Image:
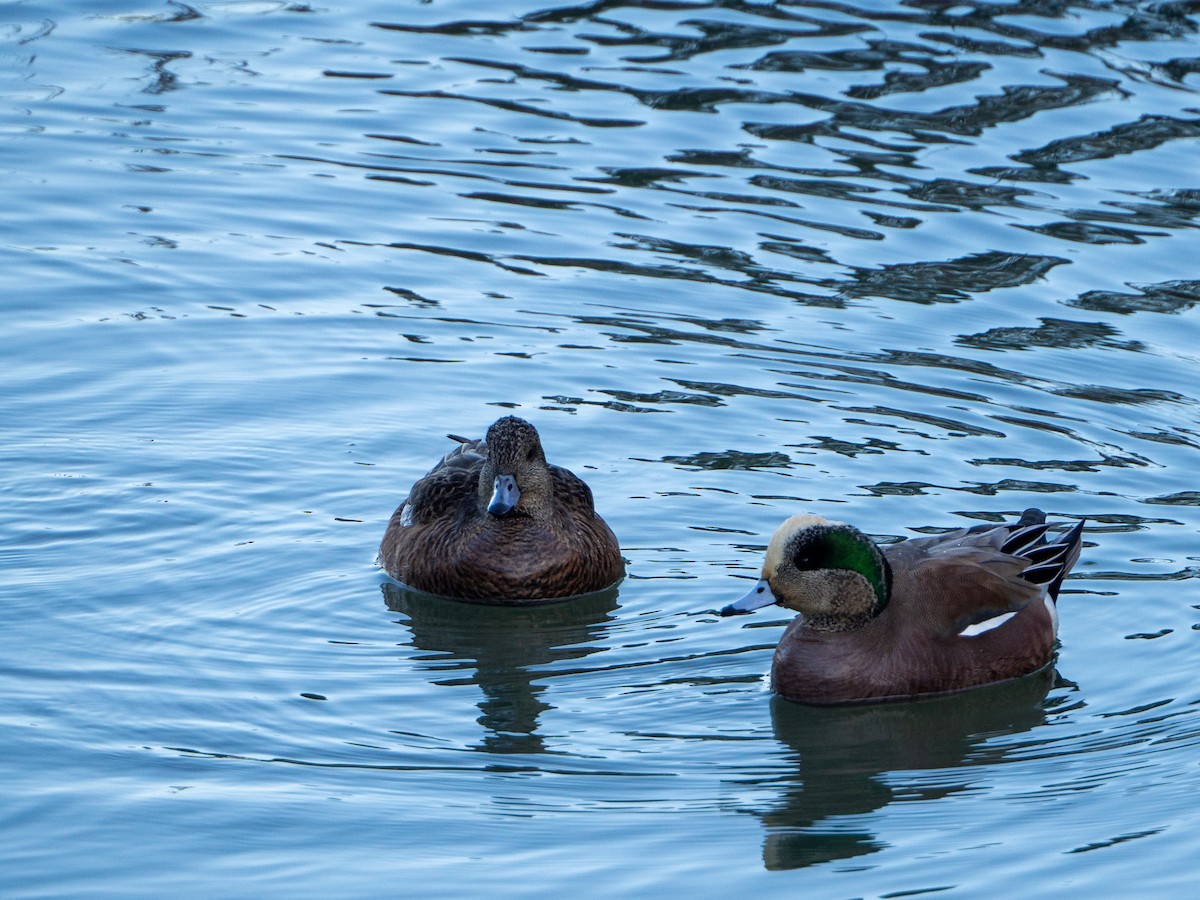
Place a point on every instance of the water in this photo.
(912, 265)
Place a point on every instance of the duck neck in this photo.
(832, 623)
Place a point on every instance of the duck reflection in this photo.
(506, 646)
(844, 754)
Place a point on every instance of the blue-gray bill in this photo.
(760, 595)
(505, 495)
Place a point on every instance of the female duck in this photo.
(926, 616)
(493, 521)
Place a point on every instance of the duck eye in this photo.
(810, 558)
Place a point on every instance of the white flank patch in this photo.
(986, 625)
(1053, 608)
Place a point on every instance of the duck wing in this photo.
(443, 488)
(571, 493)
(468, 454)
(966, 579)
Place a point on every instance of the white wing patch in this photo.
(1053, 607)
(406, 517)
(986, 625)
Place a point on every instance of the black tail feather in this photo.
(1052, 559)
(1024, 539)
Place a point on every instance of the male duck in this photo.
(494, 522)
(926, 616)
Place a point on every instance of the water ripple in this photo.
(915, 265)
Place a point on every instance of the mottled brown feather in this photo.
(452, 546)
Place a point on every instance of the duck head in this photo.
(829, 572)
(515, 479)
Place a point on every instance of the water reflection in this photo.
(1167, 297)
(508, 648)
(911, 259)
(950, 280)
(844, 759)
(899, 80)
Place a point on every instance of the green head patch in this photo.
(837, 546)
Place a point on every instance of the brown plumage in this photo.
(926, 616)
(494, 522)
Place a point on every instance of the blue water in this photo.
(912, 265)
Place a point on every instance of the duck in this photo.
(494, 522)
(918, 618)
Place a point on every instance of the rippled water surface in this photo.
(913, 265)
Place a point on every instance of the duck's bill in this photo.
(505, 495)
(760, 595)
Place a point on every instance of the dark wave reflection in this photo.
(926, 113)
(912, 264)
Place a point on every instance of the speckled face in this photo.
(777, 550)
(515, 480)
(512, 442)
(829, 572)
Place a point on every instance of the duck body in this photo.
(928, 616)
(494, 522)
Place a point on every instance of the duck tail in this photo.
(1053, 561)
